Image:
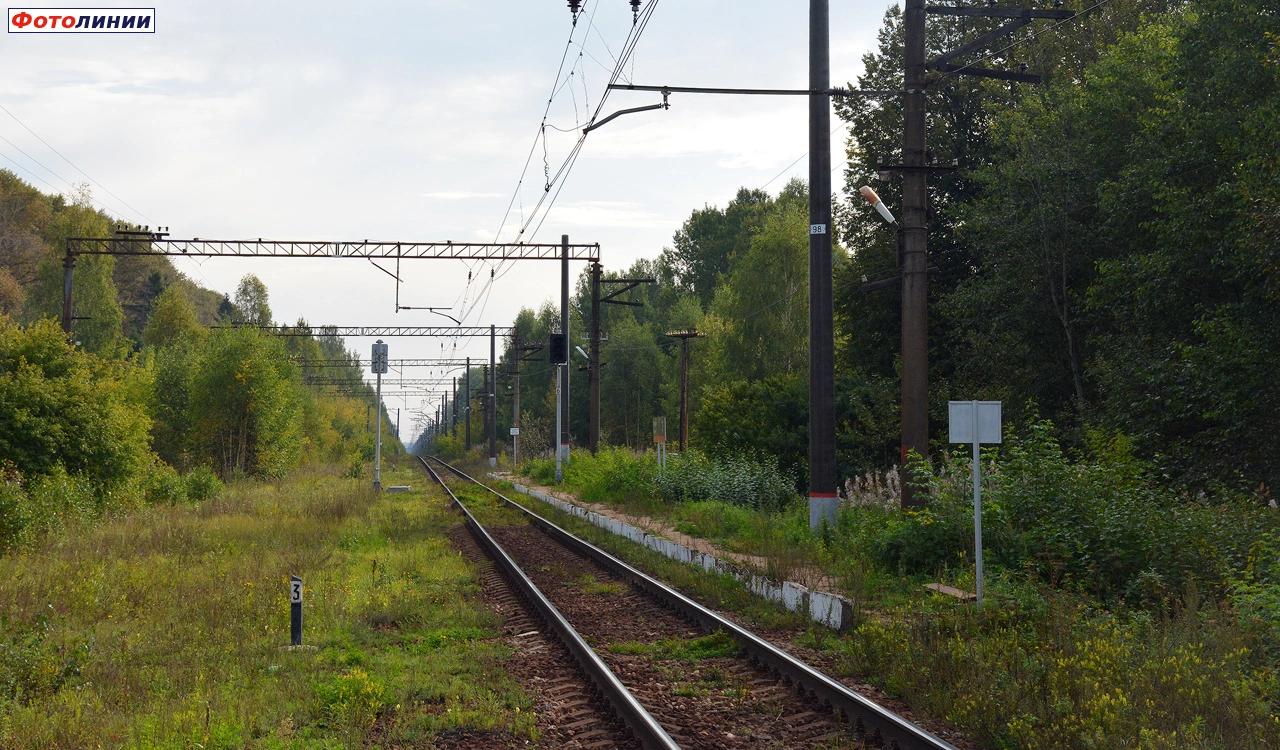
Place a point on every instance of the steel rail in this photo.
(643, 726)
(869, 717)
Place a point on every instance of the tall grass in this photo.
(165, 627)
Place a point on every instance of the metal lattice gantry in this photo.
(388, 382)
(392, 363)
(381, 331)
(157, 244)
(128, 242)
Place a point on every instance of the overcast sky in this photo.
(411, 121)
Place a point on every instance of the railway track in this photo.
(674, 672)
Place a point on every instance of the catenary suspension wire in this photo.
(557, 180)
(74, 166)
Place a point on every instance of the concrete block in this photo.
(831, 610)
(764, 588)
(794, 596)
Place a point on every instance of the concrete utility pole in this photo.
(453, 397)
(593, 361)
(466, 407)
(822, 426)
(517, 352)
(915, 168)
(559, 421)
(563, 422)
(684, 337)
(915, 277)
(68, 273)
(492, 403)
(593, 357)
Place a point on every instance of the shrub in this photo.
(350, 700)
(738, 480)
(1100, 524)
(54, 500)
(541, 470)
(12, 506)
(202, 484)
(163, 486)
(612, 474)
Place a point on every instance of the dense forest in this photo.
(1104, 258)
(154, 404)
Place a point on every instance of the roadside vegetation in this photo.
(1118, 614)
(167, 626)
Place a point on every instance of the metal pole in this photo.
(466, 405)
(491, 405)
(68, 269)
(684, 393)
(515, 403)
(559, 455)
(453, 423)
(977, 506)
(564, 328)
(377, 443)
(915, 280)
(822, 428)
(593, 367)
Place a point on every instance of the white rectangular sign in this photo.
(962, 418)
(295, 591)
(515, 431)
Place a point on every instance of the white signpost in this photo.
(975, 422)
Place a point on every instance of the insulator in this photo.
(574, 6)
(635, 11)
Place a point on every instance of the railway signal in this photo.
(379, 365)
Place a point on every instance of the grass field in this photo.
(167, 627)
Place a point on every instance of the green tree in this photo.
(63, 406)
(630, 385)
(710, 238)
(763, 303)
(173, 319)
(245, 405)
(250, 306)
(767, 417)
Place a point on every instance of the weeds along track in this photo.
(706, 681)
(574, 715)
(642, 727)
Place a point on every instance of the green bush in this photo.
(350, 700)
(163, 486)
(52, 501)
(738, 480)
(1099, 524)
(12, 506)
(612, 474)
(202, 484)
(540, 470)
